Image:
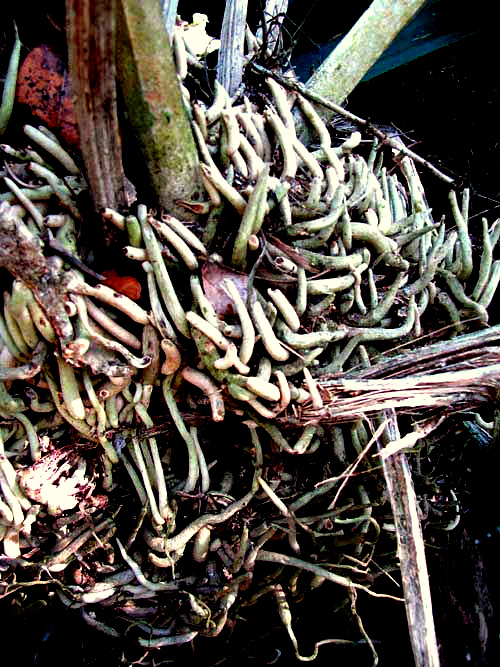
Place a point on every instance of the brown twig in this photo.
(393, 143)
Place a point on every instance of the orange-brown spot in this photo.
(126, 285)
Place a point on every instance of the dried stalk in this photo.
(346, 400)
(411, 552)
(230, 64)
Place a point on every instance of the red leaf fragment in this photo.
(127, 285)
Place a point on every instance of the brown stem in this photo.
(91, 28)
